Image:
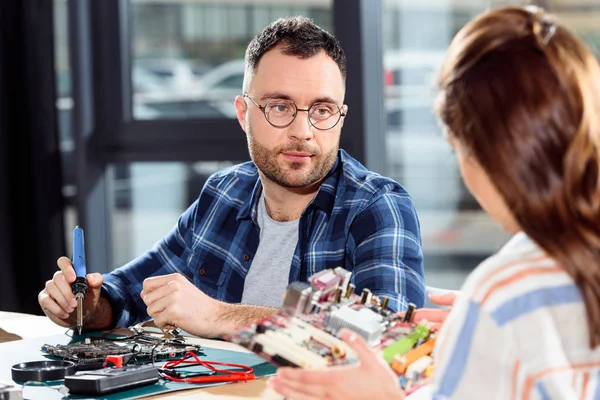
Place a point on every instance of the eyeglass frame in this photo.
(262, 108)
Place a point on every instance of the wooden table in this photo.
(15, 326)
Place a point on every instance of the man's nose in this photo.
(301, 128)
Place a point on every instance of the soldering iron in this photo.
(79, 287)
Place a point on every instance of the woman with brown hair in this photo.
(520, 103)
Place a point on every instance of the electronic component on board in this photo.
(409, 312)
(305, 333)
(94, 351)
(349, 290)
(298, 298)
(384, 303)
(363, 321)
(366, 296)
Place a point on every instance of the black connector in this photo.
(80, 285)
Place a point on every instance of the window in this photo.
(147, 199)
(456, 233)
(189, 54)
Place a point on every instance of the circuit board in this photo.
(305, 332)
(142, 347)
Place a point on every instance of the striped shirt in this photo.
(358, 220)
(518, 331)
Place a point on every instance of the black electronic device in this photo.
(109, 380)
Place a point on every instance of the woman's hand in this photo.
(371, 378)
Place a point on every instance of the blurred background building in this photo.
(143, 94)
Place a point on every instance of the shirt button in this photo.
(246, 257)
(202, 271)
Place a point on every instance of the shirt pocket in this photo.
(209, 274)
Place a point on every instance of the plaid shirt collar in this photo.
(325, 199)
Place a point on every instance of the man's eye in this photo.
(280, 107)
(322, 110)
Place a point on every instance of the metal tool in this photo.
(79, 287)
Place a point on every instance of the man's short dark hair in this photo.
(297, 36)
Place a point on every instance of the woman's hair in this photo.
(521, 94)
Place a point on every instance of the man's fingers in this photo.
(157, 294)
(51, 307)
(164, 317)
(64, 287)
(159, 310)
(446, 299)
(155, 282)
(363, 350)
(67, 268)
(54, 292)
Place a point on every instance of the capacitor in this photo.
(350, 290)
(366, 296)
(384, 303)
(402, 380)
(338, 294)
(409, 312)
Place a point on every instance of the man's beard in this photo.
(267, 162)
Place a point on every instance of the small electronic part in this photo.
(384, 303)
(405, 344)
(409, 312)
(305, 333)
(349, 290)
(298, 298)
(10, 392)
(345, 277)
(362, 321)
(325, 281)
(338, 294)
(401, 363)
(419, 366)
(109, 380)
(366, 296)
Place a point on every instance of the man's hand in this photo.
(372, 378)
(173, 301)
(58, 301)
(436, 316)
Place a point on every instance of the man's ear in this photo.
(240, 110)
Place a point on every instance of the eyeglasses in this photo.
(282, 112)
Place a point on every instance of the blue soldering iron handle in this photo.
(79, 253)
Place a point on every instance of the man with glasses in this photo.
(300, 206)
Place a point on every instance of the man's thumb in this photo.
(95, 280)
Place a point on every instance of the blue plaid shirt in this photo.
(359, 220)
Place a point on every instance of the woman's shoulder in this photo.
(519, 253)
(519, 278)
